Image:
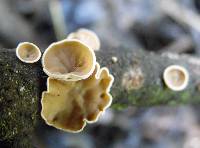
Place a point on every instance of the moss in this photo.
(153, 95)
(118, 106)
(156, 95)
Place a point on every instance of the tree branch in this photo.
(152, 90)
(21, 86)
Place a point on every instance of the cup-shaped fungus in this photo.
(176, 77)
(86, 36)
(28, 52)
(69, 60)
(69, 105)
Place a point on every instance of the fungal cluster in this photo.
(69, 105)
(78, 90)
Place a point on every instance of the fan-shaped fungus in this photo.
(68, 105)
(176, 77)
(68, 60)
(28, 52)
(86, 36)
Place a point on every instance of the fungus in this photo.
(86, 36)
(114, 59)
(28, 52)
(69, 60)
(176, 77)
(69, 105)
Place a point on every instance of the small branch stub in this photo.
(28, 52)
(176, 77)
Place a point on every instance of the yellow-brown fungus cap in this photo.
(69, 105)
(28, 52)
(176, 77)
(69, 60)
(88, 37)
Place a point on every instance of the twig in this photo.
(181, 45)
(180, 14)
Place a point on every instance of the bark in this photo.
(152, 91)
(21, 86)
(19, 100)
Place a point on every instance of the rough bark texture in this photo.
(19, 100)
(151, 66)
(21, 86)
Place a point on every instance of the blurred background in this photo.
(154, 25)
